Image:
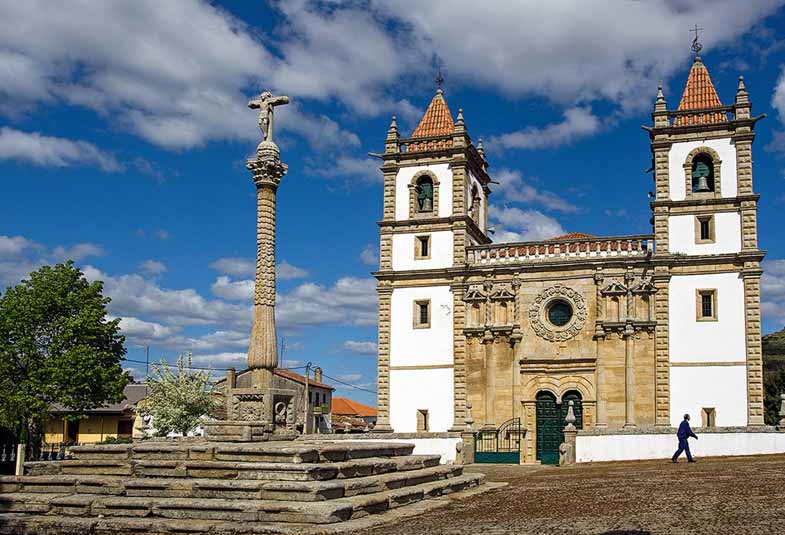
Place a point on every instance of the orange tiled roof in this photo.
(437, 121)
(348, 407)
(296, 377)
(699, 94)
(573, 236)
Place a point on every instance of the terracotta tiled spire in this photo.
(699, 94)
(437, 120)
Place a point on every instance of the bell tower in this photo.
(435, 205)
(707, 260)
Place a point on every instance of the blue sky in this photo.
(124, 131)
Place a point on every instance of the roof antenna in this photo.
(696, 46)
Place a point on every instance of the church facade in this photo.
(636, 330)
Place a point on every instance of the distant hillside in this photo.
(774, 351)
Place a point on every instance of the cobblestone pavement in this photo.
(712, 496)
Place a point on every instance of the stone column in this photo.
(383, 362)
(460, 394)
(490, 378)
(661, 279)
(599, 339)
(751, 276)
(629, 353)
(267, 170)
(629, 376)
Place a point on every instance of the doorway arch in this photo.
(551, 417)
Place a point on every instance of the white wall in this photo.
(417, 347)
(662, 446)
(723, 387)
(412, 390)
(727, 233)
(404, 178)
(446, 447)
(678, 155)
(403, 251)
(707, 341)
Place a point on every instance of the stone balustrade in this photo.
(512, 253)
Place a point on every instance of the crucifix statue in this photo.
(265, 104)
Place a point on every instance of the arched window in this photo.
(702, 174)
(424, 192)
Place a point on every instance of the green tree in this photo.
(57, 346)
(179, 401)
(773, 387)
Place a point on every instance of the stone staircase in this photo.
(214, 487)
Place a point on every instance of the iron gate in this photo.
(499, 446)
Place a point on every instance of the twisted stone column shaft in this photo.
(263, 351)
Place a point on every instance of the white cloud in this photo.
(145, 332)
(366, 348)
(366, 169)
(47, 151)
(20, 256)
(152, 267)
(77, 252)
(577, 123)
(180, 81)
(286, 271)
(177, 81)
(162, 234)
(15, 246)
(773, 292)
(234, 266)
(241, 290)
(778, 103)
(572, 51)
(513, 188)
(370, 255)
(350, 301)
(134, 295)
(513, 224)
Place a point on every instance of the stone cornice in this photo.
(725, 128)
(709, 201)
(415, 225)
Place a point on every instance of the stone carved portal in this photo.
(557, 295)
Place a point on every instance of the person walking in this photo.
(683, 434)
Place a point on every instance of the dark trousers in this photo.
(684, 446)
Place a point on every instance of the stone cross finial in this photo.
(265, 104)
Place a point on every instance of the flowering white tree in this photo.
(177, 402)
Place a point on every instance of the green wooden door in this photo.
(577, 409)
(549, 434)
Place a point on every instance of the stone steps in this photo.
(315, 471)
(288, 452)
(196, 486)
(297, 490)
(163, 515)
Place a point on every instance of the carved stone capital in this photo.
(267, 167)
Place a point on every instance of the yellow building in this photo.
(110, 421)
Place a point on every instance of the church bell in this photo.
(703, 184)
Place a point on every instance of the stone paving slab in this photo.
(715, 496)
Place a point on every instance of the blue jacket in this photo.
(685, 431)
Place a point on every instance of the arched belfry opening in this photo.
(424, 194)
(702, 173)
